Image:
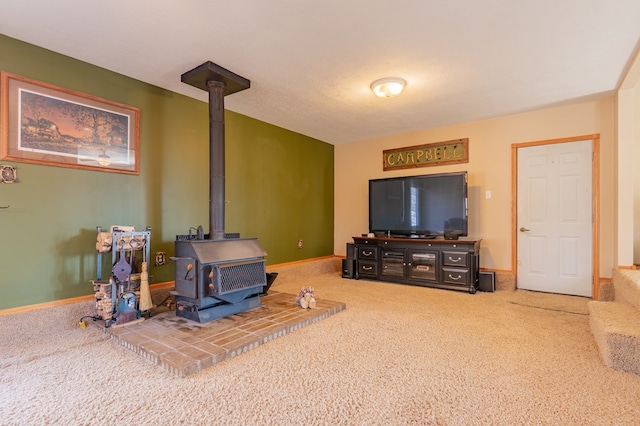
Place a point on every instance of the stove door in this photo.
(186, 277)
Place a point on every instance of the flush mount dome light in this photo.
(388, 87)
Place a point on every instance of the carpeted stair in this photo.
(615, 323)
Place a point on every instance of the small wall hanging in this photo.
(8, 174)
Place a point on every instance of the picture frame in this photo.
(49, 125)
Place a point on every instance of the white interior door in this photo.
(554, 218)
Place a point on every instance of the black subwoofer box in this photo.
(348, 268)
(487, 281)
(351, 251)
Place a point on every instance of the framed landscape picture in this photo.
(44, 124)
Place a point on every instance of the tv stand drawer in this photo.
(368, 253)
(455, 276)
(455, 258)
(367, 268)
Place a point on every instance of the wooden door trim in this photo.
(595, 202)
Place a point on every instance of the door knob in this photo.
(523, 229)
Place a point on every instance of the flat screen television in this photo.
(419, 206)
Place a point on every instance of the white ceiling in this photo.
(311, 62)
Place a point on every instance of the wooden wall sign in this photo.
(431, 154)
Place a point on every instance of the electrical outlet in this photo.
(300, 244)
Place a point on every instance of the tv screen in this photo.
(419, 206)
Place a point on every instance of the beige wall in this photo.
(636, 160)
(628, 156)
(627, 186)
(489, 169)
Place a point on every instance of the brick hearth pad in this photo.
(185, 347)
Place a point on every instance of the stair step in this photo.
(626, 283)
(616, 329)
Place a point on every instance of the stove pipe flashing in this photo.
(218, 82)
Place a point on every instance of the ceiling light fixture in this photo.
(388, 87)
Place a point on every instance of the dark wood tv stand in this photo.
(440, 263)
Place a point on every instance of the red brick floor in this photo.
(185, 347)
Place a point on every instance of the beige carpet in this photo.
(398, 355)
(549, 301)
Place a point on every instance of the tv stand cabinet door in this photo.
(393, 263)
(423, 265)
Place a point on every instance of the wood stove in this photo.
(218, 278)
(217, 274)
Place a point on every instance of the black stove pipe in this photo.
(218, 82)
(216, 159)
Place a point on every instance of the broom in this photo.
(145, 293)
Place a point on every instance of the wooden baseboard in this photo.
(61, 302)
(298, 262)
(69, 301)
(497, 271)
(627, 266)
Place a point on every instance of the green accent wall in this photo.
(279, 186)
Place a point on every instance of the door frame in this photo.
(595, 202)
